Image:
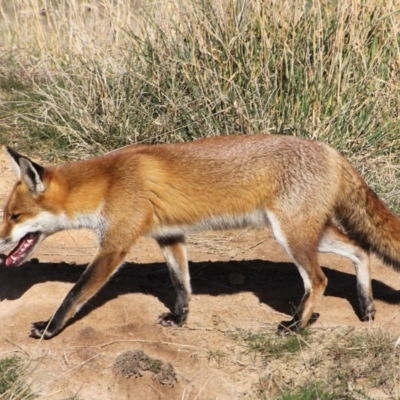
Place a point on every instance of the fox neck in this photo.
(61, 221)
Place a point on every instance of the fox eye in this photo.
(14, 217)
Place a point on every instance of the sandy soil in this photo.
(123, 316)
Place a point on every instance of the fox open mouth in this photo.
(22, 250)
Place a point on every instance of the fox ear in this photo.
(28, 171)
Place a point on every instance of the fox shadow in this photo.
(277, 284)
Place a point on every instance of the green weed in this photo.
(269, 345)
(217, 355)
(314, 390)
(12, 382)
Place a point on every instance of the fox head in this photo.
(48, 200)
(24, 211)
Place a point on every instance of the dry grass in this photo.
(109, 72)
(13, 384)
(80, 77)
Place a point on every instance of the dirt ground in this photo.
(123, 316)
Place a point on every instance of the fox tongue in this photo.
(20, 252)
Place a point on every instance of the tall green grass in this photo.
(89, 77)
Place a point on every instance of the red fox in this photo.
(311, 197)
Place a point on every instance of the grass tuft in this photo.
(12, 380)
(314, 390)
(269, 345)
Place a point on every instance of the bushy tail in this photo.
(367, 219)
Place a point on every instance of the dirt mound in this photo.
(135, 363)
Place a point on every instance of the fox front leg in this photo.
(95, 276)
(175, 254)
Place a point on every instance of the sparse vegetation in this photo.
(86, 77)
(345, 365)
(314, 390)
(217, 355)
(12, 380)
(269, 345)
(9, 372)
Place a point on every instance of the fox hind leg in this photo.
(334, 241)
(303, 250)
(315, 283)
(174, 250)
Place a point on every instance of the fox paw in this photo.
(286, 328)
(368, 313)
(369, 316)
(41, 330)
(170, 319)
